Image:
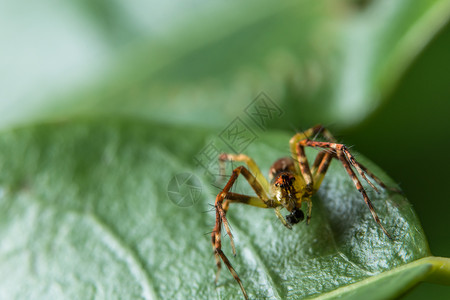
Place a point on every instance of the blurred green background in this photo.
(375, 72)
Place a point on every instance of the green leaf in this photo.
(376, 47)
(85, 213)
(322, 62)
(85, 206)
(396, 282)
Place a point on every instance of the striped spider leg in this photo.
(340, 152)
(225, 197)
(292, 182)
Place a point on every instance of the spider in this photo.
(292, 182)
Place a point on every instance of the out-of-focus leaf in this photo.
(185, 51)
(86, 213)
(377, 46)
(326, 61)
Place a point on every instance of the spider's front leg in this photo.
(217, 246)
(331, 150)
(223, 200)
(257, 182)
(312, 177)
(261, 187)
(348, 161)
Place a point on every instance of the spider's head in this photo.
(286, 187)
(286, 190)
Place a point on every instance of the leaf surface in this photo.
(86, 212)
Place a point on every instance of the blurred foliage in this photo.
(102, 102)
(328, 62)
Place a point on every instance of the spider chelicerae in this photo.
(292, 182)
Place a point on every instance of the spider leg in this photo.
(298, 153)
(308, 134)
(320, 167)
(257, 181)
(362, 169)
(345, 157)
(304, 168)
(223, 199)
(307, 176)
(281, 218)
(319, 158)
(250, 164)
(259, 177)
(249, 200)
(318, 171)
(220, 253)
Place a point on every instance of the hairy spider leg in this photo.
(219, 203)
(221, 210)
(348, 161)
(362, 169)
(312, 177)
(259, 177)
(224, 157)
(320, 167)
(318, 171)
(307, 134)
(249, 200)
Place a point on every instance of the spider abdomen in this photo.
(285, 164)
